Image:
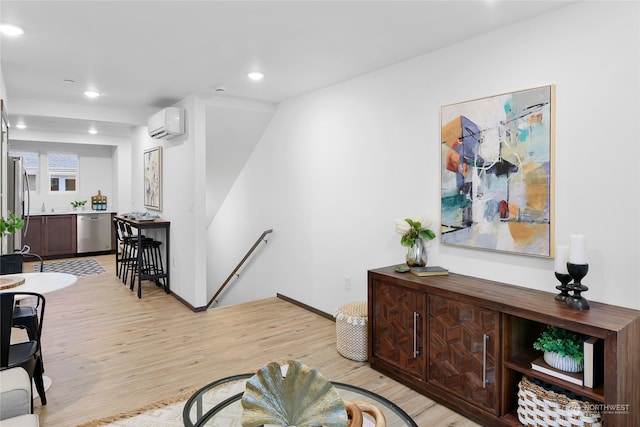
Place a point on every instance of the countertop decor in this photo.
(565, 344)
(413, 230)
(78, 204)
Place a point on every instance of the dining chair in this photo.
(13, 263)
(26, 354)
(24, 315)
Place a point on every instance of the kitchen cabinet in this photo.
(33, 238)
(477, 337)
(52, 236)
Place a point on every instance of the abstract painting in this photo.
(497, 172)
(153, 178)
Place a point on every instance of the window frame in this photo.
(63, 173)
(31, 172)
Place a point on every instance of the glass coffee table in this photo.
(218, 404)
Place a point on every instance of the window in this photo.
(31, 165)
(63, 172)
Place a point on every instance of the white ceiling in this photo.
(146, 55)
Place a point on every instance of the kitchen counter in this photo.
(71, 212)
(67, 233)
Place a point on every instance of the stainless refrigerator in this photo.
(17, 199)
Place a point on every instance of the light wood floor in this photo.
(107, 351)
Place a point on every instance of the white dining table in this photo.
(41, 283)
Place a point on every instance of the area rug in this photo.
(164, 413)
(168, 412)
(82, 267)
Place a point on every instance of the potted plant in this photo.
(563, 350)
(413, 230)
(77, 203)
(10, 225)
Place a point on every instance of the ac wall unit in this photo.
(166, 123)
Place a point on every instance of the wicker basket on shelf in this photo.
(542, 407)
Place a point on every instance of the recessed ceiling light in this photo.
(11, 30)
(93, 131)
(21, 126)
(91, 93)
(256, 76)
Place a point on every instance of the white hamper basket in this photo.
(351, 330)
(540, 407)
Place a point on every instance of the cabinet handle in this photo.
(485, 338)
(415, 334)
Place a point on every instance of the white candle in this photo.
(562, 256)
(577, 249)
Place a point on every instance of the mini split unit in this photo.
(166, 123)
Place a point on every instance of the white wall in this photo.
(97, 169)
(3, 90)
(336, 167)
(233, 129)
(184, 163)
(198, 169)
(3, 165)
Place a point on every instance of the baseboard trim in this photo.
(282, 297)
(192, 308)
(306, 307)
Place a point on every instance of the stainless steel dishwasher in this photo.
(94, 232)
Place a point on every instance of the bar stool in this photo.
(120, 246)
(130, 250)
(151, 267)
(127, 255)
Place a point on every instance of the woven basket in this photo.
(351, 330)
(540, 407)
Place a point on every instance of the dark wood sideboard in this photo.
(466, 343)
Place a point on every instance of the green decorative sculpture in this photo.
(302, 398)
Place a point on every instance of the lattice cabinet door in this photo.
(398, 326)
(464, 350)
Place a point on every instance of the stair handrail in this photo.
(233, 273)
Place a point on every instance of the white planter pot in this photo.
(562, 363)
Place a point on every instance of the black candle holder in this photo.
(563, 286)
(577, 272)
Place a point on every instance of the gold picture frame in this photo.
(497, 167)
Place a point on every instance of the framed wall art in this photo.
(153, 178)
(497, 172)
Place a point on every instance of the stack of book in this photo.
(593, 373)
(593, 362)
(429, 271)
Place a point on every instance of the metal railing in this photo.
(235, 270)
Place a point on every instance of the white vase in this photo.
(562, 363)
